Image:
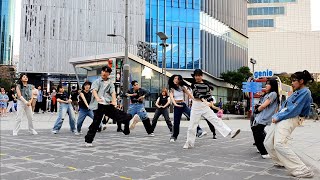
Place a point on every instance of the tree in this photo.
(315, 90)
(235, 78)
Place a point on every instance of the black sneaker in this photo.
(119, 130)
(214, 137)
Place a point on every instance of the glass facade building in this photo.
(6, 31)
(200, 35)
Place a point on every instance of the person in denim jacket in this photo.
(285, 121)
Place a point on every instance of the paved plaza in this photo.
(115, 156)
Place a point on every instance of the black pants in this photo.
(53, 107)
(212, 129)
(113, 113)
(106, 120)
(157, 114)
(259, 135)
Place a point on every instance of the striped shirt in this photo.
(201, 90)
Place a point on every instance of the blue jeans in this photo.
(83, 113)
(63, 110)
(177, 113)
(138, 109)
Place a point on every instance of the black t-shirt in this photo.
(10, 93)
(140, 92)
(74, 95)
(64, 96)
(88, 98)
(201, 90)
(163, 100)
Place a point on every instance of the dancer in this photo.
(104, 102)
(65, 107)
(290, 115)
(200, 107)
(136, 108)
(178, 89)
(269, 105)
(162, 103)
(24, 93)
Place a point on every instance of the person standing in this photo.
(12, 98)
(201, 107)
(54, 104)
(104, 102)
(162, 103)
(220, 105)
(74, 98)
(290, 116)
(34, 98)
(44, 101)
(136, 108)
(24, 94)
(39, 101)
(3, 102)
(65, 107)
(263, 115)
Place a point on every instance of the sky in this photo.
(315, 20)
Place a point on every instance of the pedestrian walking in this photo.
(34, 98)
(290, 115)
(65, 107)
(12, 99)
(162, 104)
(200, 107)
(3, 102)
(178, 89)
(104, 102)
(263, 115)
(136, 107)
(25, 96)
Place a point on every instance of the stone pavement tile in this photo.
(19, 175)
(5, 169)
(81, 174)
(46, 178)
(44, 167)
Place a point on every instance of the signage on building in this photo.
(266, 73)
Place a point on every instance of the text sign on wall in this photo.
(266, 73)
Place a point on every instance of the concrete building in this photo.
(280, 36)
(52, 32)
(7, 8)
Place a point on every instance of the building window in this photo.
(265, 11)
(271, 1)
(260, 23)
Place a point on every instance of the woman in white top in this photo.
(178, 89)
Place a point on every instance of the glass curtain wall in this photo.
(180, 21)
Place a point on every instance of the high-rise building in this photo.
(6, 31)
(280, 36)
(206, 34)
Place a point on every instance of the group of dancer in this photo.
(99, 101)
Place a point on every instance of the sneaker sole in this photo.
(238, 131)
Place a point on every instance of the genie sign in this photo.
(267, 73)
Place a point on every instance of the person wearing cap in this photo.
(201, 107)
(136, 108)
(104, 102)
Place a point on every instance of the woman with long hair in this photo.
(264, 112)
(162, 103)
(178, 89)
(290, 115)
(24, 94)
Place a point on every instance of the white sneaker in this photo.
(151, 134)
(234, 133)
(187, 146)
(172, 140)
(203, 133)
(34, 132)
(135, 120)
(77, 133)
(54, 131)
(266, 156)
(308, 174)
(14, 134)
(89, 145)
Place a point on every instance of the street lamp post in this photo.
(253, 62)
(164, 45)
(126, 66)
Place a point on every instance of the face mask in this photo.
(53, 90)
